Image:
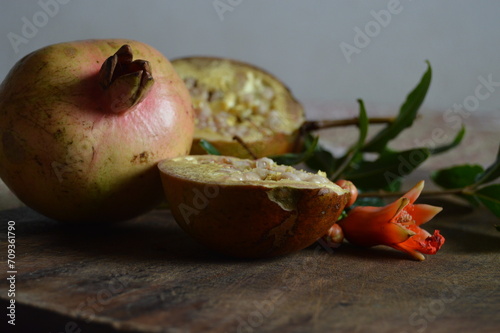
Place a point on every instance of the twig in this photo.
(314, 125)
(343, 166)
(244, 145)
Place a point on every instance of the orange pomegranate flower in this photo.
(396, 225)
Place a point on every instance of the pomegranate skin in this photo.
(66, 154)
(247, 219)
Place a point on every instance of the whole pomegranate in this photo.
(83, 125)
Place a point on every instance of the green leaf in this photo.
(322, 160)
(490, 197)
(456, 141)
(406, 116)
(296, 158)
(471, 199)
(387, 169)
(353, 152)
(342, 215)
(394, 186)
(363, 123)
(458, 176)
(369, 201)
(208, 147)
(491, 173)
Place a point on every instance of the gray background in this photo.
(299, 41)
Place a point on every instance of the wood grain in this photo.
(146, 275)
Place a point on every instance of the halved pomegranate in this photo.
(250, 208)
(233, 98)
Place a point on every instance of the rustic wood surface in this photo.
(146, 275)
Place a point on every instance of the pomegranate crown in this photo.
(125, 82)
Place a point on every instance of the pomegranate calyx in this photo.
(125, 82)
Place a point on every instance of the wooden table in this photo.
(146, 275)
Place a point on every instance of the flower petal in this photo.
(422, 213)
(395, 225)
(391, 211)
(395, 233)
(433, 243)
(370, 226)
(371, 233)
(422, 242)
(415, 254)
(413, 194)
(419, 232)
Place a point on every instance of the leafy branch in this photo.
(475, 182)
(379, 173)
(382, 176)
